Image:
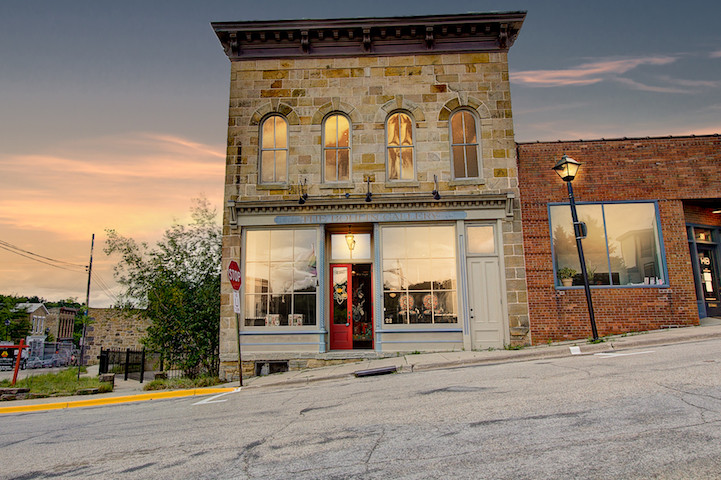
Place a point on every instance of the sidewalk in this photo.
(130, 390)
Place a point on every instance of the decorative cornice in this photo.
(389, 203)
(466, 33)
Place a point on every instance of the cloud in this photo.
(648, 88)
(716, 54)
(587, 73)
(136, 183)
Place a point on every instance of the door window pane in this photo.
(481, 239)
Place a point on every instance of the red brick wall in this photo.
(702, 215)
(668, 170)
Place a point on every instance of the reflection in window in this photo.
(361, 249)
(399, 134)
(274, 150)
(480, 239)
(280, 278)
(622, 246)
(336, 148)
(419, 275)
(464, 145)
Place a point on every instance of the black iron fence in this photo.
(141, 364)
(129, 363)
(176, 365)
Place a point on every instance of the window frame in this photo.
(454, 293)
(663, 267)
(479, 158)
(261, 149)
(245, 294)
(324, 149)
(412, 147)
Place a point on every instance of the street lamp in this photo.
(566, 168)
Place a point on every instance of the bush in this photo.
(181, 383)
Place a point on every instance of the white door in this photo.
(487, 323)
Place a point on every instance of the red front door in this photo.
(341, 325)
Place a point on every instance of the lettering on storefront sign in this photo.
(369, 217)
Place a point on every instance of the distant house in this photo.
(38, 316)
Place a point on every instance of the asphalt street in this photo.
(641, 413)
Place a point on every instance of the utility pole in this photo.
(87, 307)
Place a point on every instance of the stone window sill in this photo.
(341, 185)
(272, 186)
(467, 181)
(402, 183)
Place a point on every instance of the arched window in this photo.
(399, 145)
(464, 145)
(274, 150)
(336, 148)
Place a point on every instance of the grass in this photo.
(62, 383)
(181, 383)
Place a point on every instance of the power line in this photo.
(38, 260)
(17, 250)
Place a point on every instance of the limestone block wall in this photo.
(113, 328)
(367, 89)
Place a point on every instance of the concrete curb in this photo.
(157, 395)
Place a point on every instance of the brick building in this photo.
(371, 188)
(653, 211)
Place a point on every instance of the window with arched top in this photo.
(399, 147)
(464, 145)
(336, 148)
(274, 150)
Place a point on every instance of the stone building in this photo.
(652, 207)
(371, 189)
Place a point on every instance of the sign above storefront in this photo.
(371, 217)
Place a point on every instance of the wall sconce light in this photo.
(303, 193)
(368, 193)
(350, 240)
(436, 195)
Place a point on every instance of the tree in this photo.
(18, 326)
(176, 284)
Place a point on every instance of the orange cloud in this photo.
(52, 201)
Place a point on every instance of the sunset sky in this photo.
(114, 114)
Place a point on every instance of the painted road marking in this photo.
(213, 398)
(605, 355)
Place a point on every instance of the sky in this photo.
(113, 115)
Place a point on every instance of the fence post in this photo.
(127, 362)
(142, 365)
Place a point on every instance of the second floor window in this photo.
(274, 150)
(399, 135)
(464, 145)
(336, 148)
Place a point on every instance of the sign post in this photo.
(234, 277)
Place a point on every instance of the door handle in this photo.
(347, 324)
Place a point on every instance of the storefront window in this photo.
(622, 246)
(419, 275)
(280, 278)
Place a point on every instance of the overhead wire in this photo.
(42, 261)
(18, 250)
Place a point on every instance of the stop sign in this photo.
(234, 275)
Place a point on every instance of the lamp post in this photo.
(566, 168)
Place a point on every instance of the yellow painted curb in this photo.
(157, 395)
